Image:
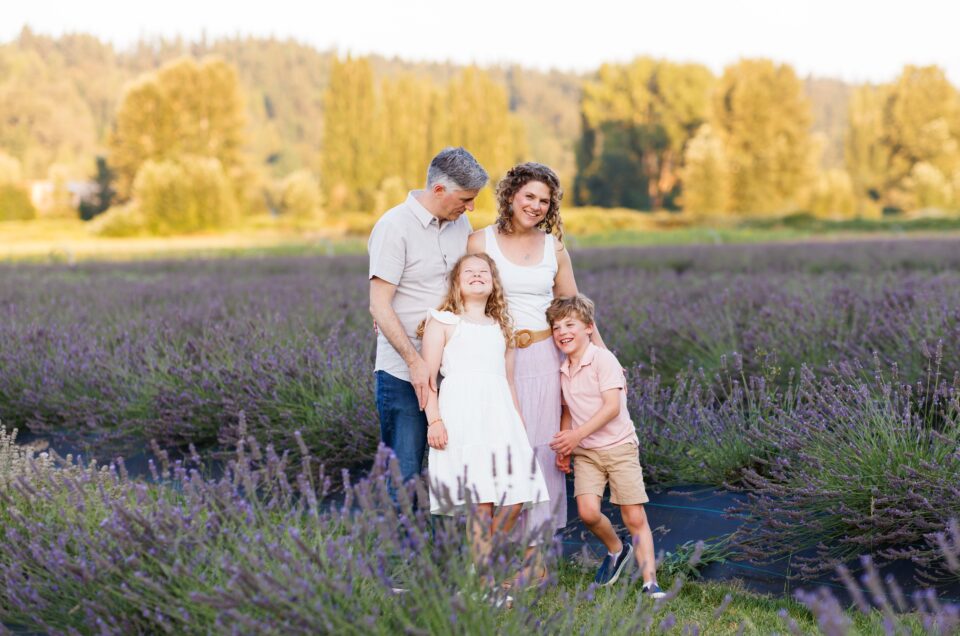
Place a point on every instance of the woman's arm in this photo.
(565, 284)
(434, 339)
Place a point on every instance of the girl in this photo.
(478, 447)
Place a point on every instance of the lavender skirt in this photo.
(537, 380)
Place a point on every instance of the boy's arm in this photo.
(566, 440)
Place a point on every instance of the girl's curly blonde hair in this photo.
(496, 306)
(519, 176)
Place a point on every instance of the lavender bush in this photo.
(873, 593)
(256, 552)
(856, 469)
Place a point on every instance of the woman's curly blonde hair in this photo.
(519, 176)
(496, 306)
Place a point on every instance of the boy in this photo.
(596, 429)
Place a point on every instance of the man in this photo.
(412, 248)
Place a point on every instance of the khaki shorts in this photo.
(619, 466)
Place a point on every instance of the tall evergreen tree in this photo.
(104, 193)
(406, 127)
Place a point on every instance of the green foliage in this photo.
(185, 108)
(637, 119)
(10, 171)
(832, 195)
(928, 187)
(43, 117)
(409, 133)
(903, 141)
(763, 116)
(388, 136)
(119, 221)
(189, 195)
(706, 175)
(301, 199)
(922, 123)
(350, 168)
(477, 117)
(15, 203)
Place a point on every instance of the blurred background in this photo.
(283, 125)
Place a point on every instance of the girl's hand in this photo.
(437, 435)
(563, 464)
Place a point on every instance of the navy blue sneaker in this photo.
(611, 570)
(653, 590)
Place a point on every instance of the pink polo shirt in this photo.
(582, 389)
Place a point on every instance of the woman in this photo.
(526, 244)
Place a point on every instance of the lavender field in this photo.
(822, 379)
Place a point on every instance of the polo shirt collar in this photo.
(423, 214)
(587, 358)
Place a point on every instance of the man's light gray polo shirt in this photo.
(410, 248)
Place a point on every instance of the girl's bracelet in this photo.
(439, 419)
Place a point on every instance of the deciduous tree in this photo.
(763, 116)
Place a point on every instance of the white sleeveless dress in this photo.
(487, 450)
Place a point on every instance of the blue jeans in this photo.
(403, 426)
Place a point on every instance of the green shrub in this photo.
(301, 199)
(15, 204)
(832, 196)
(188, 195)
(119, 220)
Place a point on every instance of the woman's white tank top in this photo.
(529, 289)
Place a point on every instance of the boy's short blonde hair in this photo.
(579, 306)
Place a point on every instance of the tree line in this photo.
(194, 135)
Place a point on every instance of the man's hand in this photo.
(563, 464)
(437, 435)
(421, 380)
(565, 441)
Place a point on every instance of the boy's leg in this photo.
(635, 518)
(628, 492)
(588, 507)
(589, 482)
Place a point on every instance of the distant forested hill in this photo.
(58, 97)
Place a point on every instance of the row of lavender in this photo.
(256, 552)
(790, 371)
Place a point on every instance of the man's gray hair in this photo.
(456, 169)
